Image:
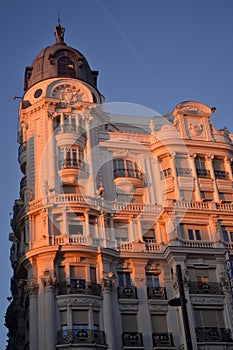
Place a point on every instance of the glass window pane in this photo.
(198, 235)
(225, 236)
(159, 323)
(190, 234)
(129, 322)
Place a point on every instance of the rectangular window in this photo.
(190, 234)
(61, 273)
(209, 318)
(159, 323)
(124, 279)
(96, 320)
(194, 232)
(227, 233)
(93, 274)
(77, 272)
(121, 231)
(75, 229)
(200, 163)
(152, 280)
(80, 320)
(129, 322)
(63, 320)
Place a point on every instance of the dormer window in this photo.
(66, 67)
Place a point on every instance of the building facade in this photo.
(110, 207)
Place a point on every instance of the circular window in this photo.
(38, 93)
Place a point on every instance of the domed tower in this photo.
(56, 288)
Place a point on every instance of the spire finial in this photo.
(59, 31)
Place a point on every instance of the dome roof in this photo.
(59, 60)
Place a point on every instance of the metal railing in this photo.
(205, 288)
(132, 173)
(162, 339)
(87, 336)
(68, 128)
(156, 293)
(183, 171)
(203, 173)
(166, 173)
(127, 292)
(77, 286)
(213, 334)
(219, 174)
(132, 339)
(73, 163)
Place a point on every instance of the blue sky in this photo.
(155, 53)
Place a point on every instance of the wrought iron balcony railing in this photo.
(21, 149)
(132, 173)
(23, 183)
(166, 173)
(219, 174)
(184, 172)
(73, 163)
(213, 334)
(203, 173)
(205, 288)
(132, 339)
(127, 292)
(162, 339)
(156, 293)
(79, 287)
(86, 336)
(68, 128)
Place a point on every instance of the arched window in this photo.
(66, 67)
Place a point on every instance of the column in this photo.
(140, 235)
(227, 163)
(143, 312)
(174, 174)
(90, 155)
(194, 172)
(49, 312)
(87, 231)
(211, 169)
(159, 194)
(109, 328)
(51, 159)
(130, 231)
(33, 316)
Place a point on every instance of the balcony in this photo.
(223, 175)
(203, 173)
(162, 339)
(70, 134)
(78, 286)
(205, 288)
(23, 184)
(84, 336)
(22, 157)
(156, 293)
(136, 176)
(68, 128)
(127, 292)
(70, 169)
(166, 173)
(184, 172)
(132, 339)
(213, 334)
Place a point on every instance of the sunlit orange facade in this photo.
(109, 206)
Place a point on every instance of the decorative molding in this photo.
(200, 300)
(80, 300)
